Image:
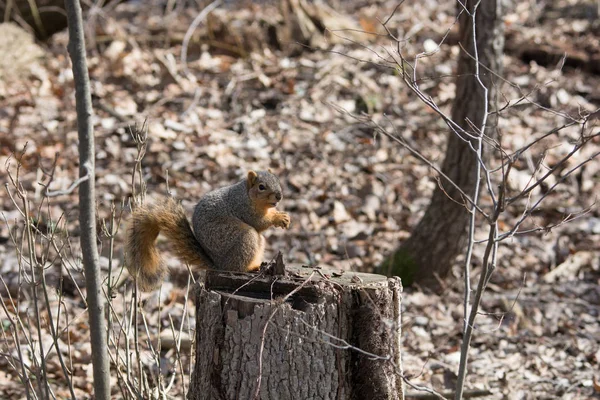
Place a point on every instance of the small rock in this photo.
(339, 213)
(430, 46)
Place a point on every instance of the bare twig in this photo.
(416, 154)
(72, 187)
(188, 34)
(559, 164)
(468, 394)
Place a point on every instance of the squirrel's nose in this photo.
(278, 196)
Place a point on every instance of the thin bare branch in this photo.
(188, 34)
(559, 164)
(71, 188)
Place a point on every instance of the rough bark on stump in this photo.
(305, 353)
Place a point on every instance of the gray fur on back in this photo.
(230, 209)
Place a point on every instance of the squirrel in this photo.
(227, 225)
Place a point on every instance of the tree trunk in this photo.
(298, 343)
(44, 17)
(427, 256)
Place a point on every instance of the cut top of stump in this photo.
(311, 283)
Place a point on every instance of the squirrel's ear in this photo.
(252, 177)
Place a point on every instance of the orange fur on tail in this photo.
(142, 258)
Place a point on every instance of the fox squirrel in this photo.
(227, 225)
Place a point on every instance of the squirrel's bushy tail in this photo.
(142, 257)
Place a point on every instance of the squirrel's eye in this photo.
(261, 187)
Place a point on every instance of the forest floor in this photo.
(353, 194)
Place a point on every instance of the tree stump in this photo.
(308, 334)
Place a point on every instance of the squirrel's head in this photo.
(264, 188)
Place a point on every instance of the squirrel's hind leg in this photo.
(254, 264)
(245, 253)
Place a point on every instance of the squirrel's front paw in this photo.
(282, 220)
